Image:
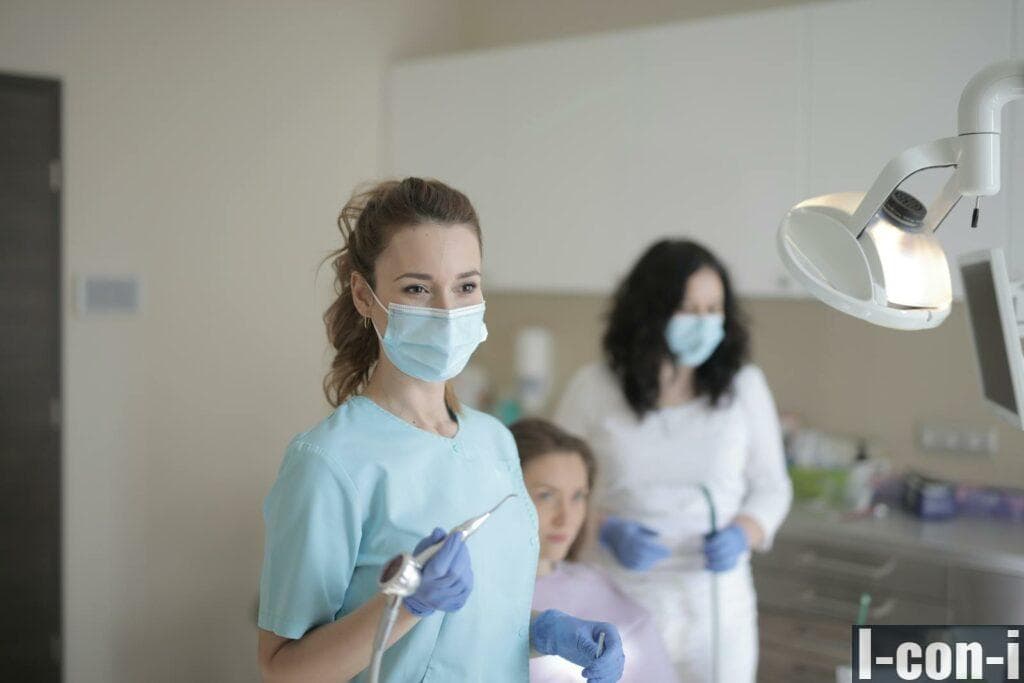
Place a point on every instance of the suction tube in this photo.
(380, 640)
(713, 519)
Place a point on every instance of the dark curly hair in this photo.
(634, 341)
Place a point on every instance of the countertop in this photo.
(979, 543)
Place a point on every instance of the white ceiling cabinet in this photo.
(579, 153)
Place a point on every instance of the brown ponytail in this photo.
(367, 223)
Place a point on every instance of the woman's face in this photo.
(436, 266)
(557, 483)
(704, 293)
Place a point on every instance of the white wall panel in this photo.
(579, 153)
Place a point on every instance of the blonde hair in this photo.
(367, 223)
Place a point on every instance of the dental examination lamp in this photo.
(874, 255)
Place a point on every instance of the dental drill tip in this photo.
(469, 528)
(503, 501)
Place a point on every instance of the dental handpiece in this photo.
(401, 574)
(400, 578)
(467, 529)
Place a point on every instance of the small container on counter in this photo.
(990, 501)
(930, 499)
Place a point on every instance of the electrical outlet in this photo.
(947, 437)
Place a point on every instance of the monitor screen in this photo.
(987, 327)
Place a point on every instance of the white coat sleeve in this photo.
(769, 490)
(584, 403)
(578, 404)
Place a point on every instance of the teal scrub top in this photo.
(365, 485)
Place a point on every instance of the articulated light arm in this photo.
(935, 154)
(974, 152)
(980, 113)
(863, 254)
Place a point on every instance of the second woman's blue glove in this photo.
(556, 633)
(447, 577)
(634, 545)
(722, 549)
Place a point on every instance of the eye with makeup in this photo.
(547, 495)
(468, 284)
(544, 495)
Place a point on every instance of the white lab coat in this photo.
(650, 470)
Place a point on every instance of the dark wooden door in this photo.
(30, 391)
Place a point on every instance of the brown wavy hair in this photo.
(367, 222)
(536, 438)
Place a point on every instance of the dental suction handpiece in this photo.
(467, 529)
(401, 577)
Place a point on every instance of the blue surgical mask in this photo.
(693, 338)
(431, 344)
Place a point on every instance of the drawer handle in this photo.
(843, 609)
(809, 558)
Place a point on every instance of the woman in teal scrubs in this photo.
(398, 462)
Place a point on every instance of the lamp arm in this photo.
(948, 198)
(934, 154)
(983, 98)
(974, 152)
(979, 114)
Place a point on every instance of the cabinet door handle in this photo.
(845, 609)
(809, 558)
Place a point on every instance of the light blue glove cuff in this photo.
(542, 631)
(723, 549)
(417, 608)
(608, 530)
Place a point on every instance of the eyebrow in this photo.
(552, 486)
(427, 278)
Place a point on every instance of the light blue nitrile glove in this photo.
(557, 633)
(447, 578)
(634, 545)
(722, 549)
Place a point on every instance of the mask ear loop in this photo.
(367, 320)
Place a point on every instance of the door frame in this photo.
(53, 88)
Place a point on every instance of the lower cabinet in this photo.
(986, 597)
(809, 597)
(800, 648)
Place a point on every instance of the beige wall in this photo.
(834, 371)
(208, 147)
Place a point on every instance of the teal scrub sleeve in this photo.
(313, 530)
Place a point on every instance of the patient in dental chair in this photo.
(559, 472)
